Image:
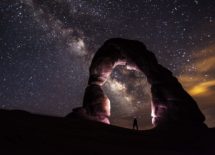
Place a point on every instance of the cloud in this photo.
(200, 82)
(206, 65)
(204, 88)
(205, 59)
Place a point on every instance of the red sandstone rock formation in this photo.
(171, 104)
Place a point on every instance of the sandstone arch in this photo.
(171, 104)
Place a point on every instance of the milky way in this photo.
(46, 48)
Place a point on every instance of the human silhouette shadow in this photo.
(135, 124)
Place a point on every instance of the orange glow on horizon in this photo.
(202, 88)
(197, 90)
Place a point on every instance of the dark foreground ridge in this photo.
(25, 133)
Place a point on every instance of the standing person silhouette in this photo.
(135, 125)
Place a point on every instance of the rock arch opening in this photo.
(130, 96)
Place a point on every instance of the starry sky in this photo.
(46, 47)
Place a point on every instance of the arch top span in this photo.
(171, 104)
(117, 51)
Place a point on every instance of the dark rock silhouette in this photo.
(171, 104)
(25, 133)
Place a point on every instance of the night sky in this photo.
(46, 47)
